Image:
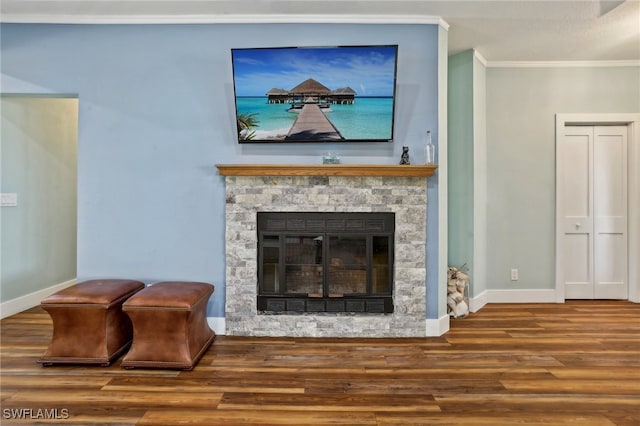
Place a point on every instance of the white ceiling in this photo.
(500, 30)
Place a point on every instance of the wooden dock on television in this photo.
(312, 124)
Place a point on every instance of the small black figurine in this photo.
(405, 156)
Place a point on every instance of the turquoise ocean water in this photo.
(366, 119)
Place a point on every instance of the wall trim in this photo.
(520, 296)
(24, 18)
(476, 303)
(440, 192)
(218, 325)
(28, 301)
(437, 326)
(480, 58)
(562, 64)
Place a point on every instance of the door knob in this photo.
(577, 225)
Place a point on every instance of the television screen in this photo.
(315, 94)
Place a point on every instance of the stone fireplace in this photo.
(400, 190)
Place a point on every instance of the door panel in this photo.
(576, 153)
(611, 267)
(577, 266)
(610, 172)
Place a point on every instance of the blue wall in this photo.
(156, 114)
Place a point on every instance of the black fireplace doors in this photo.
(325, 262)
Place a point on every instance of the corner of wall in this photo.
(442, 172)
(218, 325)
(437, 327)
(478, 302)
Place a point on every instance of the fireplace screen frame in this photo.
(318, 293)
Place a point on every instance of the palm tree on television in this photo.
(246, 123)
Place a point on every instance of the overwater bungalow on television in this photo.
(311, 91)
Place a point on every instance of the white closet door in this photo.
(575, 174)
(592, 209)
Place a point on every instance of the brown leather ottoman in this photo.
(170, 327)
(89, 326)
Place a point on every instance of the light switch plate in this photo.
(8, 199)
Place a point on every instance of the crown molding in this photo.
(562, 64)
(479, 57)
(224, 19)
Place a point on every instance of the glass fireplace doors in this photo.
(346, 265)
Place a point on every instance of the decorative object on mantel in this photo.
(457, 298)
(418, 170)
(330, 158)
(404, 159)
(430, 150)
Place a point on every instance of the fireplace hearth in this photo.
(325, 262)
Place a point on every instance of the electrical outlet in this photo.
(514, 274)
(8, 199)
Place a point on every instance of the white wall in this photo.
(521, 108)
(39, 164)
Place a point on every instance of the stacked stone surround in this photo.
(247, 195)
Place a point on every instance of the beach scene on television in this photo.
(315, 94)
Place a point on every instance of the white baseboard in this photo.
(28, 301)
(437, 327)
(519, 296)
(511, 296)
(218, 325)
(476, 303)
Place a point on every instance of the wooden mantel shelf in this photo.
(413, 170)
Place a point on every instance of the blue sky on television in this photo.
(369, 70)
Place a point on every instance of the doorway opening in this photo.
(39, 177)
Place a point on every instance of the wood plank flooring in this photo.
(548, 364)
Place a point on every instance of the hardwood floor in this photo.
(552, 364)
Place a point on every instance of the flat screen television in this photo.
(315, 94)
